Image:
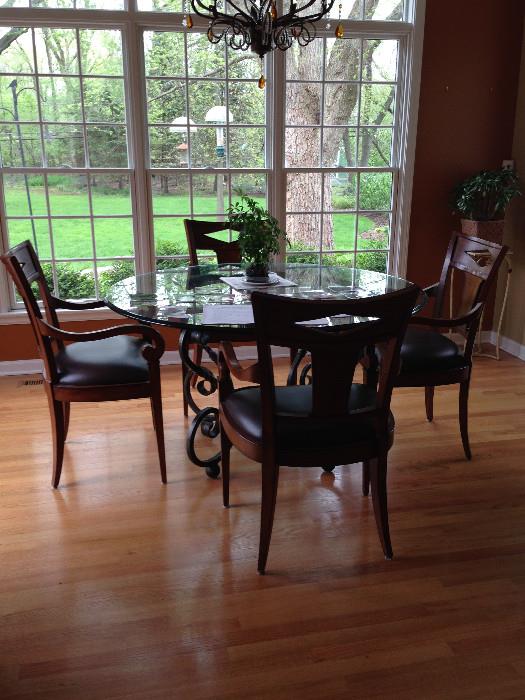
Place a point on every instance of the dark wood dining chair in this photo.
(429, 357)
(330, 422)
(199, 238)
(112, 364)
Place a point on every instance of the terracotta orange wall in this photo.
(469, 83)
(17, 341)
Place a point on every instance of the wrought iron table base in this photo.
(206, 419)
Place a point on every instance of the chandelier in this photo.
(256, 24)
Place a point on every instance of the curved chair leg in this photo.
(225, 467)
(378, 468)
(429, 402)
(366, 477)
(270, 481)
(56, 411)
(463, 416)
(197, 360)
(67, 410)
(156, 411)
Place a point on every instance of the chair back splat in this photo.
(198, 238)
(335, 350)
(478, 262)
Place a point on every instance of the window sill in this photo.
(20, 317)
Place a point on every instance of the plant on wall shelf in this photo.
(481, 201)
(484, 197)
(259, 235)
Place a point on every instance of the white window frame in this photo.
(133, 22)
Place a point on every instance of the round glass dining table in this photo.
(210, 303)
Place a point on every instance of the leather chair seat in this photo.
(242, 408)
(116, 360)
(429, 350)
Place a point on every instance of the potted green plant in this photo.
(481, 201)
(259, 236)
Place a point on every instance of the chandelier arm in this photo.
(205, 12)
(284, 19)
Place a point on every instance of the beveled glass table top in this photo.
(177, 297)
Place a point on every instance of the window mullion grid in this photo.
(189, 141)
(87, 162)
(323, 86)
(138, 152)
(43, 155)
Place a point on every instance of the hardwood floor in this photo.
(116, 586)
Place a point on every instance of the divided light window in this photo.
(63, 148)
(116, 124)
(207, 133)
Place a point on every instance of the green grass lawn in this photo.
(114, 237)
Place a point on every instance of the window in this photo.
(118, 123)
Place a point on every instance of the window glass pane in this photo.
(20, 145)
(339, 231)
(64, 146)
(303, 104)
(72, 238)
(243, 64)
(68, 195)
(377, 262)
(167, 103)
(35, 230)
(167, 149)
(110, 194)
(377, 104)
(210, 195)
(171, 194)
(385, 10)
(340, 191)
(379, 59)
(101, 49)
(247, 103)
(205, 59)
(339, 146)
(24, 195)
(107, 146)
(60, 99)
(113, 237)
(56, 50)
(253, 185)
(17, 56)
(76, 280)
(205, 151)
(303, 147)
(164, 53)
(205, 97)
(374, 231)
(350, 9)
(375, 191)
(104, 100)
(159, 5)
(170, 239)
(309, 184)
(18, 98)
(375, 147)
(246, 148)
(304, 231)
(305, 62)
(343, 59)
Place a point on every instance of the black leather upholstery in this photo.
(295, 428)
(429, 350)
(116, 360)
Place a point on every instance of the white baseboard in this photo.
(506, 344)
(171, 357)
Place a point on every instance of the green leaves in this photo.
(259, 232)
(485, 196)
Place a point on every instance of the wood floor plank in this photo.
(116, 587)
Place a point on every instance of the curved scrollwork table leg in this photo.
(206, 419)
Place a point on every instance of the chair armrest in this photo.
(431, 290)
(465, 320)
(229, 363)
(77, 305)
(156, 341)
